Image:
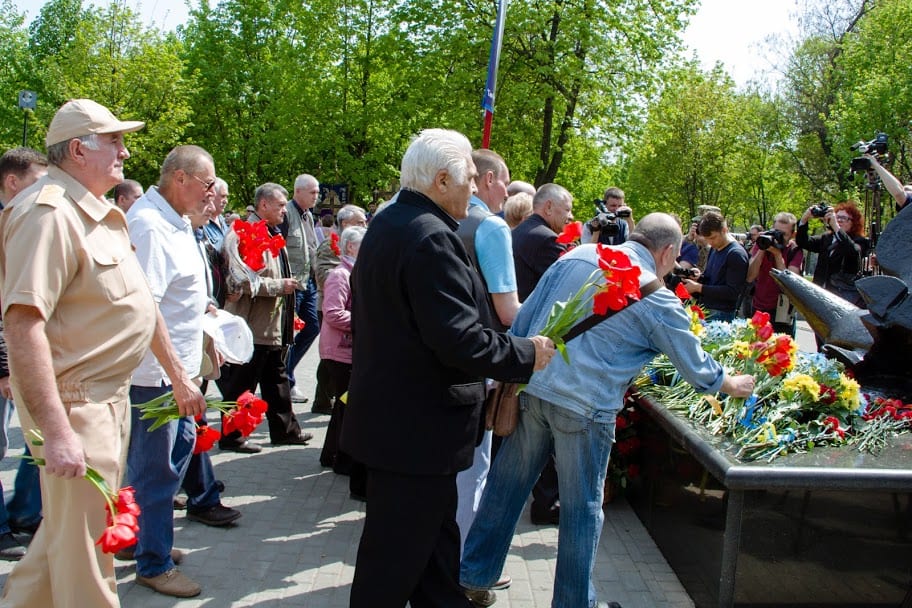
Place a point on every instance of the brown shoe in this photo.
(173, 582)
(129, 554)
(480, 598)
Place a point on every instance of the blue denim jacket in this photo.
(606, 359)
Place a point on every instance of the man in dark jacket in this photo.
(722, 282)
(535, 245)
(421, 352)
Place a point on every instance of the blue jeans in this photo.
(156, 464)
(581, 447)
(24, 508)
(203, 490)
(306, 307)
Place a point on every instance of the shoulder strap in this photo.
(593, 320)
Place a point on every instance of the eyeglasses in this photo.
(207, 185)
(843, 218)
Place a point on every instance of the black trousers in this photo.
(409, 549)
(336, 376)
(266, 368)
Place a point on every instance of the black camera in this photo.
(877, 147)
(820, 210)
(605, 221)
(678, 274)
(623, 213)
(772, 238)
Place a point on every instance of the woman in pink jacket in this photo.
(336, 345)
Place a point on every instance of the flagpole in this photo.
(487, 101)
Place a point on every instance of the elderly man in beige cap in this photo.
(79, 317)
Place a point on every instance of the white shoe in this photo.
(298, 396)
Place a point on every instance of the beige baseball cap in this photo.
(79, 117)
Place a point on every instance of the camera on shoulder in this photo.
(876, 147)
(604, 221)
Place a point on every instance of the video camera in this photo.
(876, 147)
(678, 274)
(772, 238)
(605, 221)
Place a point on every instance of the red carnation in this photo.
(334, 244)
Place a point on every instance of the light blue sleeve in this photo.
(494, 250)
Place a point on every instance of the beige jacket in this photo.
(263, 309)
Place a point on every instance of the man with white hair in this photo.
(301, 245)
(72, 384)
(422, 349)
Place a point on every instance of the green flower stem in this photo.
(163, 409)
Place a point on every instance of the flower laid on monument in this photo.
(801, 400)
(120, 506)
(243, 415)
(254, 241)
(624, 463)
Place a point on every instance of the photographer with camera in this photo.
(901, 194)
(841, 248)
(613, 222)
(775, 249)
(722, 283)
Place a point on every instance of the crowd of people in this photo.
(417, 314)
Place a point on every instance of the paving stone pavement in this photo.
(296, 543)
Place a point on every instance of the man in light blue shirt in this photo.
(573, 408)
(490, 247)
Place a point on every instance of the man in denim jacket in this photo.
(573, 407)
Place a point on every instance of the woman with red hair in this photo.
(840, 249)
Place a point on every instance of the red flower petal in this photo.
(681, 291)
(571, 232)
(206, 436)
(116, 537)
(760, 319)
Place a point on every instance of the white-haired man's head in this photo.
(438, 163)
(434, 150)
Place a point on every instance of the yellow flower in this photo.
(742, 349)
(848, 392)
(800, 386)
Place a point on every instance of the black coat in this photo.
(839, 260)
(420, 347)
(535, 248)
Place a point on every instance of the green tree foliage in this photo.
(590, 94)
(683, 159)
(15, 64)
(876, 77)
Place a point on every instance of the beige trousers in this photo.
(63, 568)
